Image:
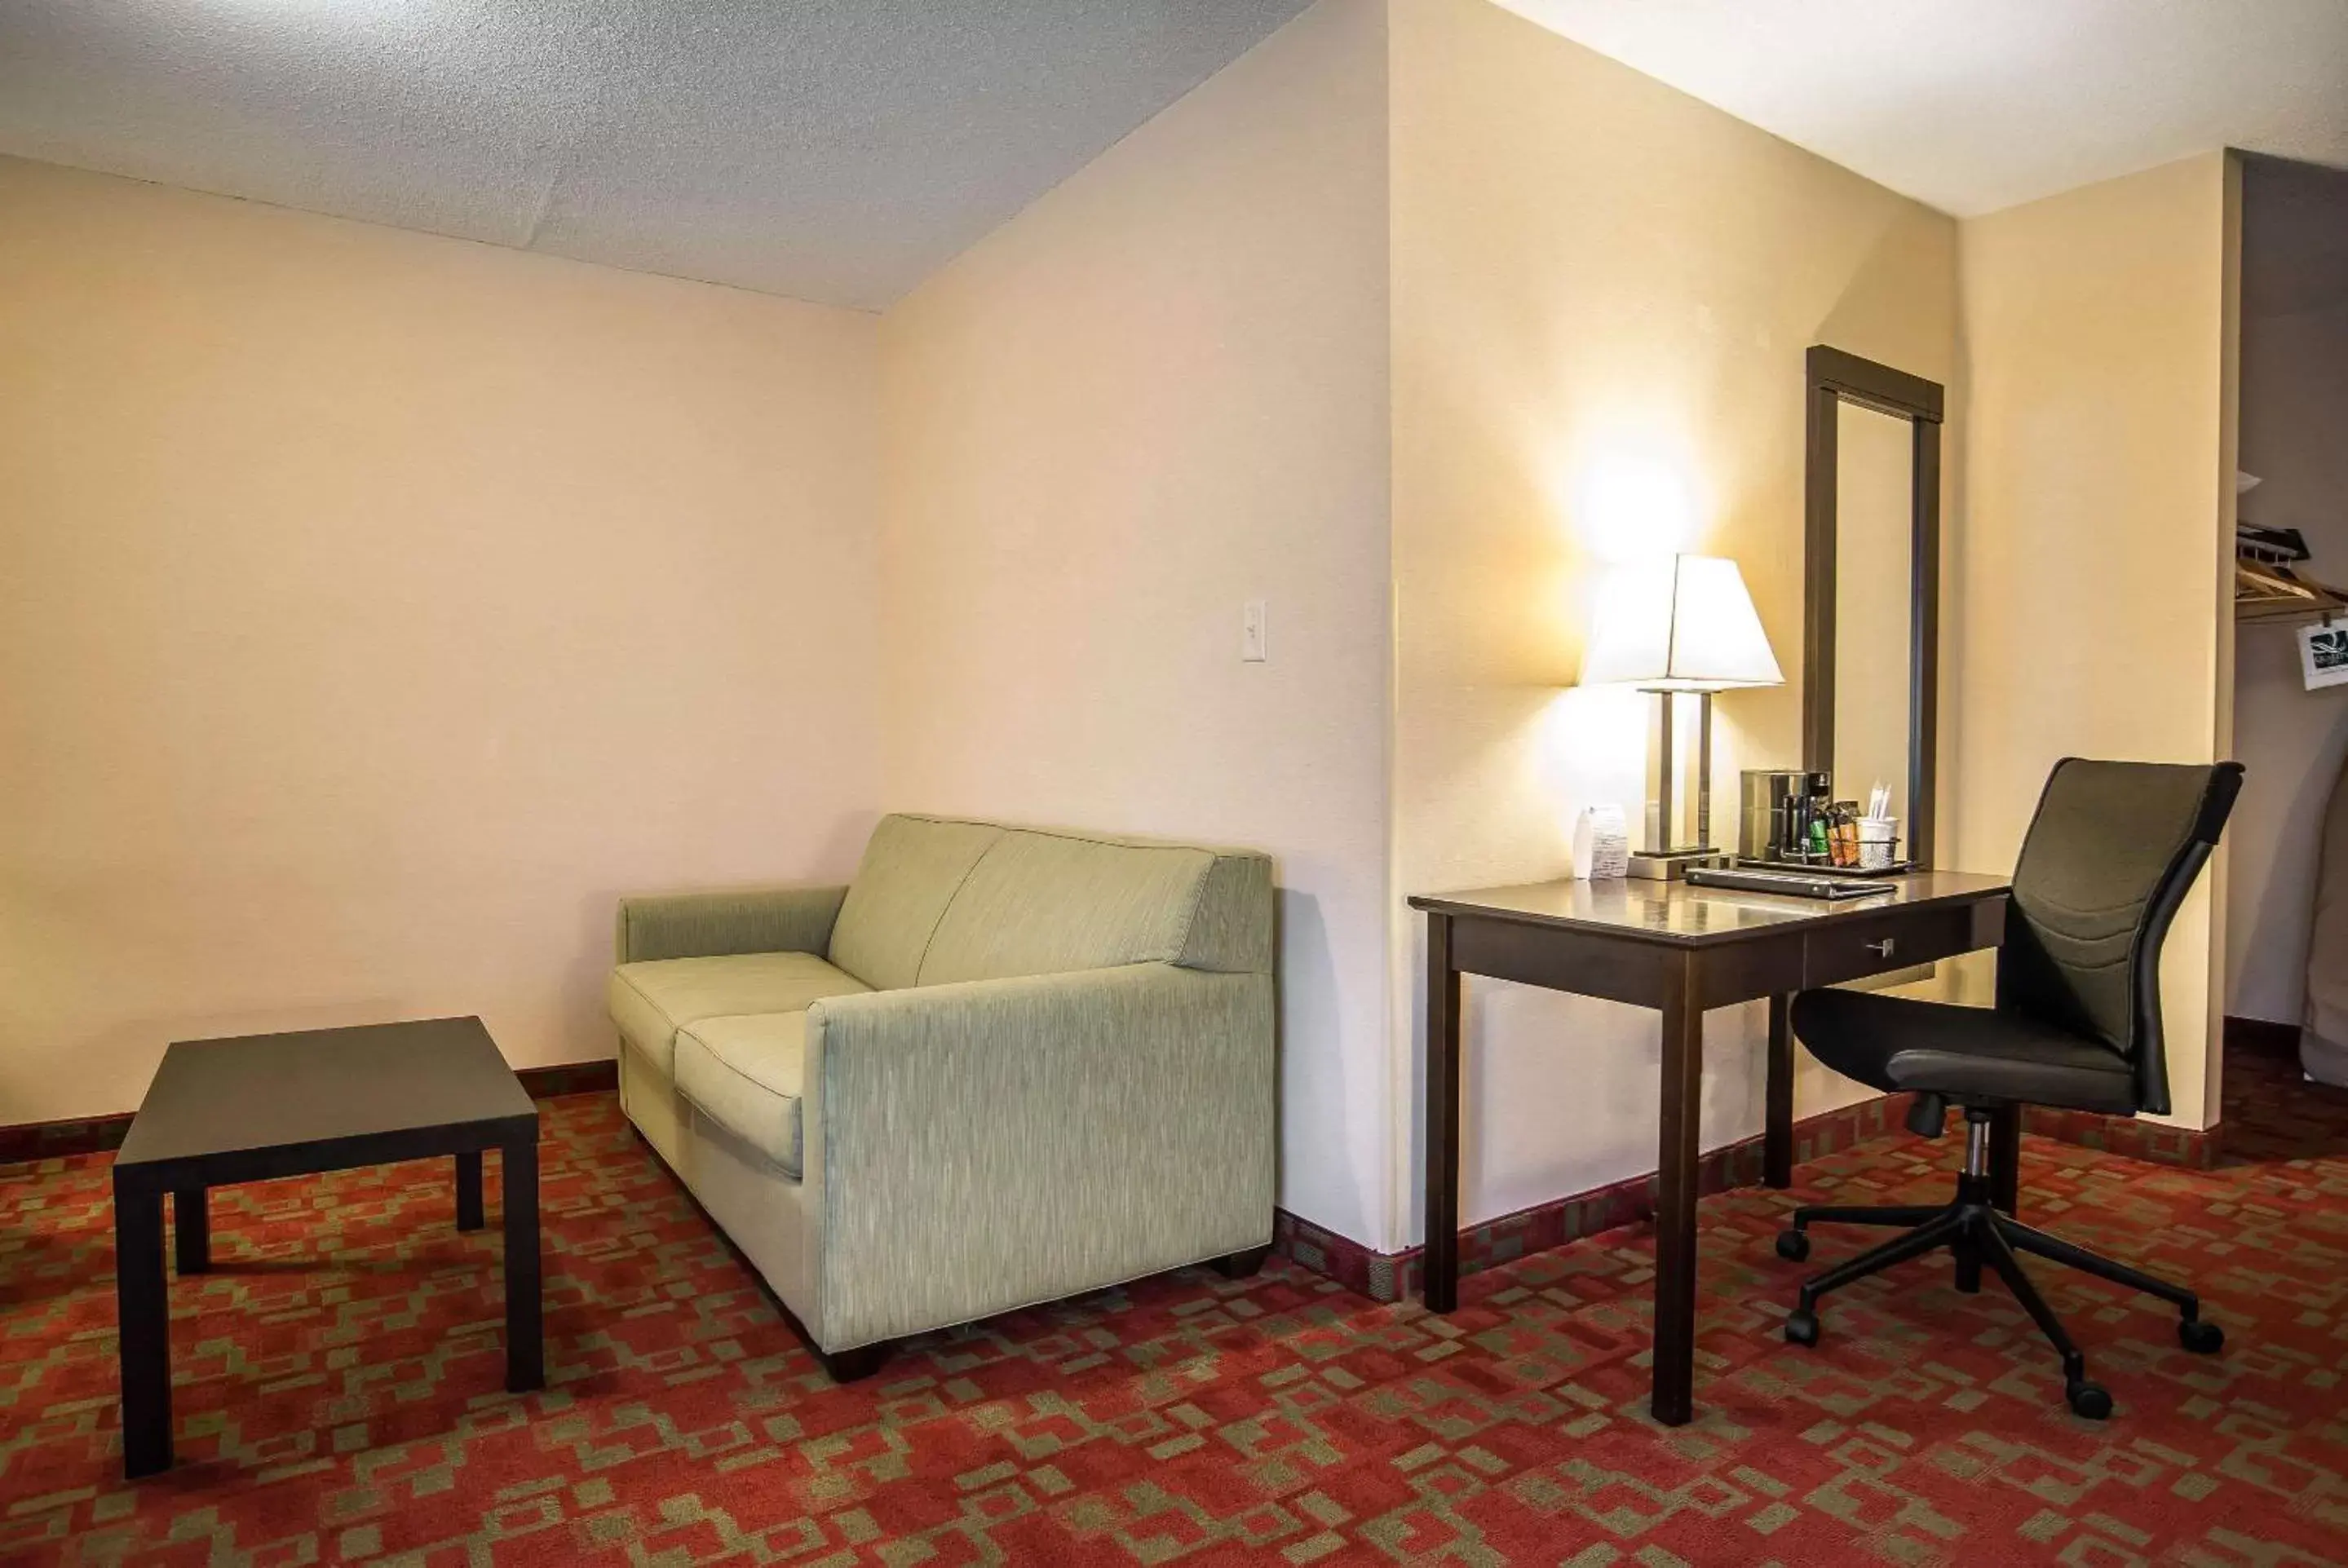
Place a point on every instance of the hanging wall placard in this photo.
(2324, 653)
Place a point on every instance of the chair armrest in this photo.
(988, 1144)
(743, 920)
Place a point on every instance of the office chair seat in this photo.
(1966, 1055)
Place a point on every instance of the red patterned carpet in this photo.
(339, 1392)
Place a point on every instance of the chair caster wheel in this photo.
(1801, 1326)
(2201, 1339)
(1793, 1245)
(2088, 1401)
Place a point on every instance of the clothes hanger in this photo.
(2267, 592)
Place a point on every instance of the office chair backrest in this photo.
(2108, 858)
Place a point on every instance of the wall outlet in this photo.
(1255, 643)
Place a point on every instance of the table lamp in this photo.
(1681, 623)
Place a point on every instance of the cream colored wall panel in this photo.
(2090, 581)
(1158, 393)
(375, 608)
(1603, 290)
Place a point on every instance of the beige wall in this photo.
(2087, 611)
(375, 609)
(1158, 393)
(2292, 740)
(1603, 294)
(380, 607)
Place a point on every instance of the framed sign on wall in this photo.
(2324, 653)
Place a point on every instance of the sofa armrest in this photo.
(988, 1144)
(743, 920)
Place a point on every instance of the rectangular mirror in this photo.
(1874, 558)
(1870, 658)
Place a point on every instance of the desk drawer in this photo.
(1853, 946)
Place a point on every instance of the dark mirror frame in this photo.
(1835, 378)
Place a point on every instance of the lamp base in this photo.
(1671, 865)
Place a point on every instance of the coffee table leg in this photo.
(525, 1331)
(192, 1223)
(469, 1191)
(143, 1306)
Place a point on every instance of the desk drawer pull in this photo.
(1881, 949)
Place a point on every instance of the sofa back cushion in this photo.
(1044, 903)
(937, 901)
(912, 870)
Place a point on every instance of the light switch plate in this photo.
(1255, 641)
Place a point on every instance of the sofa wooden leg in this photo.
(1240, 1264)
(854, 1365)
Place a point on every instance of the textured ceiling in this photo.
(1975, 105)
(835, 150)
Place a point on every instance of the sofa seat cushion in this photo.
(743, 1074)
(650, 1001)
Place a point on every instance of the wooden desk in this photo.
(1681, 950)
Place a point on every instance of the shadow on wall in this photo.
(1307, 966)
(1517, 1154)
(1878, 304)
(587, 1035)
(1587, 746)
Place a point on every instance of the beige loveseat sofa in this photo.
(1000, 1067)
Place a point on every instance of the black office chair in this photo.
(2107, 860)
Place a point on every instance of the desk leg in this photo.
(1675, 1394)
(1440, 1279)
(1777, 1124)
(469, 1191)
(2005, 1158)
(192, 1217)
(525, 1326)
(143, 1308)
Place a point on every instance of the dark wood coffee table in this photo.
(269, 1105)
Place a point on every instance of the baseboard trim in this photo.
(2262, 1035)
(103, 1134)
(1390, 1276)
(598, 1077)
(55, 1140)
(2193, 1148)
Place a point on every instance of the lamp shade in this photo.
(1682, 623)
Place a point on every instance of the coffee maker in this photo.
(1778, 804)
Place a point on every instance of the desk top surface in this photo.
(1675, 913)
